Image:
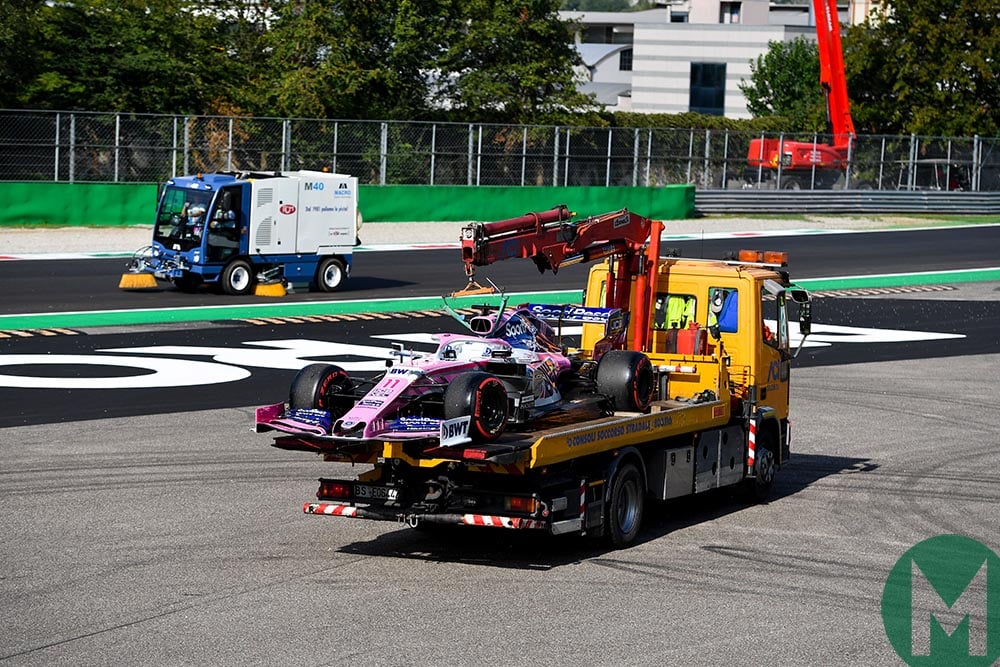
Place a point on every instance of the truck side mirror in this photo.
(805, 318)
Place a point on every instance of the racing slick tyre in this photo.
(237, 278)
(626, 377)
(625, 506)
(323, 386)
(484, 398)
(330, 274)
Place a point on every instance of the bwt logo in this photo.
(941, 603)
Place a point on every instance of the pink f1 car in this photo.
(512, 370)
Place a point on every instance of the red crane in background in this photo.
(803, 162)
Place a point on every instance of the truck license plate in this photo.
(375, 492)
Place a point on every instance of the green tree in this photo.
(19, 27)
(119, 55)
(784, 81)
(514, 60)
(926, 67)
(352, 59)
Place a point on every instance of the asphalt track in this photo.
(176, 537)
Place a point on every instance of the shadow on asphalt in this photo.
(530, 550)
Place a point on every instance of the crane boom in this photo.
(552, 239)
(831, 72)
(822, 163)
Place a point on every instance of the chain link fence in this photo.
(130, 148)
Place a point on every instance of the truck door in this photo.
(274, 204)
(773, 356)
(225, 224)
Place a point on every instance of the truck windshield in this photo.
(180, 219)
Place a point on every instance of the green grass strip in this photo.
(98, 318)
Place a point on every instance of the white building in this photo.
(688, 56)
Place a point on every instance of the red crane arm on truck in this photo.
(553, 239)
(832, 77)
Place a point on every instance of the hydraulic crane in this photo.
(798, 159)
(553, 239)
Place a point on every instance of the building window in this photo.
(678, 17)
(708, 88)
(625, 60)
(729, 12)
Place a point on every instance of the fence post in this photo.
(118, 141)
(555, 159)
(336, 141)
(607, 174)
(524, 152)
(566, 162)
(725, 160)
(850, 160)
(229, 150)
(881, 164)
(976, 163)
(760, 162)
(690, 156)
(911, 178)
(781, 159)
(468, 175)
(173, 147)
(187, 143)
(812, 159)
(708, 147)
(479, 154)
(434, 134)
(72, 147)
(55, 174)
(383, 152)
(649, 155)
(284, 144)
(635, 157)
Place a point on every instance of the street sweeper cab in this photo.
(251, 232)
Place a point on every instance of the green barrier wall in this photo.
(104, 204)
(67, 204)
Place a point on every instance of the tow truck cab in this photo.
(701, 309)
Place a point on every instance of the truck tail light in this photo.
(329, 488)
(472, 453)
(520, 504)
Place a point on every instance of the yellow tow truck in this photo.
(702, 402)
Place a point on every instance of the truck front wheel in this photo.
(625, 506)
(323, 386)
(330, 274)
(237, 278)
(481, 396)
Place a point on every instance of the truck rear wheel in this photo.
(323, 386)
(625, 506)
(481, 396)
(626, 378)
(237, 278)
(765, 466)
(330, 274)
